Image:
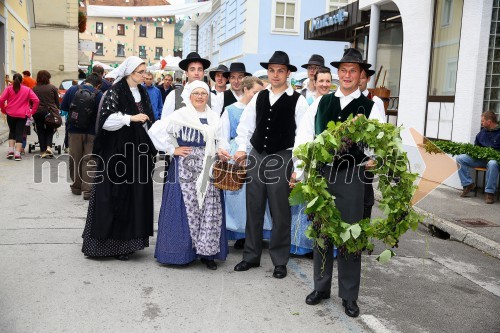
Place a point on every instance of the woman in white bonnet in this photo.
(191, 223)
(120, 214)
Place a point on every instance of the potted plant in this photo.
(82, 21)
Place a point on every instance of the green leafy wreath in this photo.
(396, 184)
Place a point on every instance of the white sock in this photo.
(10, 149)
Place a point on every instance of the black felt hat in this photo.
(193, 57)
(279, 58)
(369, 72)
(219, 69)
(237, 67)
(352, 55)
(315, 60)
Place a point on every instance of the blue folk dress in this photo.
(235, 201)
(178, 210)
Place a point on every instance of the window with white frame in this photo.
(142, 51)
(158, 52)
(332, 5)
(285, 16)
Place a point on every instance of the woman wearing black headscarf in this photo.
(120, 214)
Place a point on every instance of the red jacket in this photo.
(18, 105)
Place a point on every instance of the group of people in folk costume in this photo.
(251, 123)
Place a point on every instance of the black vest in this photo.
(228, 100)
(275, 125)
(329, 110)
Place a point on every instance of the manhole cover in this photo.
(477, 223)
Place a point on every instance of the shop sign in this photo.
(322, 22)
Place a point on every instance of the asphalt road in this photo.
(47, 285)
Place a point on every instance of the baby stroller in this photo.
(32, 146)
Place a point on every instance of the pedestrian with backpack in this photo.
(82, 102)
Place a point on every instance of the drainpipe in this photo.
(197, 32)
(372, 49)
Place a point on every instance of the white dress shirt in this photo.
(226, 128)
(380, 110)
(306, 128)
(249, 116)
(219, 101)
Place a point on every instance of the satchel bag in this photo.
(53, 119)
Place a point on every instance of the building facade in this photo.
(114, 39)
(249, 31)
(443, 61)
(54, 39)
(16, 21)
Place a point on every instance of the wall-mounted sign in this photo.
(327, 21)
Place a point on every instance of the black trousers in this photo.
(369, 198)
(268, 182)
(16, 128)
(45, 133)
(348, 188)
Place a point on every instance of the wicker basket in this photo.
(227, 176)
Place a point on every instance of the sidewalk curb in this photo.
(457, 232)
(461, 234)
(4, 137)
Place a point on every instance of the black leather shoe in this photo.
(244, 266)
(239, 244)
(122, 257)
(209, 263)
(351, 308)
(279, 271)
(316, 296)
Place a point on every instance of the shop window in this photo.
(285, 16)
(159, 32)
(492, 84)
(120, 50)
(142, 31)
(99, 49)
(120, 29)
(445, 48)
(142, 52)
(158, 52)
(99, 28)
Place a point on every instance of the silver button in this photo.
(265, 146)
(270, 110)
(267, 127)
(269, 119)
(265, 137)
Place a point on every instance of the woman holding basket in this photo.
(191, 223)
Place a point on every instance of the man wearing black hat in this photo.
(308, 91)
(220, 80)
(267, 126)
(235, 75)
(194, 66)
(343, 183)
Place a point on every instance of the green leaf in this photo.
(297, 195)
(345, 235)
(385, 256)
(370, 128)
(380, 135)
(355, 230)
(312, 202)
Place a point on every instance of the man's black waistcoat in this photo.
(275, 125)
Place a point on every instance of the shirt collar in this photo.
(289, 89)
(366, 92)
(239, 105)
(353, 95)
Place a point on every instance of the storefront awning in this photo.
(149, 11)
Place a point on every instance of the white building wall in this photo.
(471, 75)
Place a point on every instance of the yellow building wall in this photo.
(17, 37)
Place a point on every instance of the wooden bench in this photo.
(483, 171)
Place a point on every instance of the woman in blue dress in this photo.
(301, 245)
(191, 223)
(235, 201)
